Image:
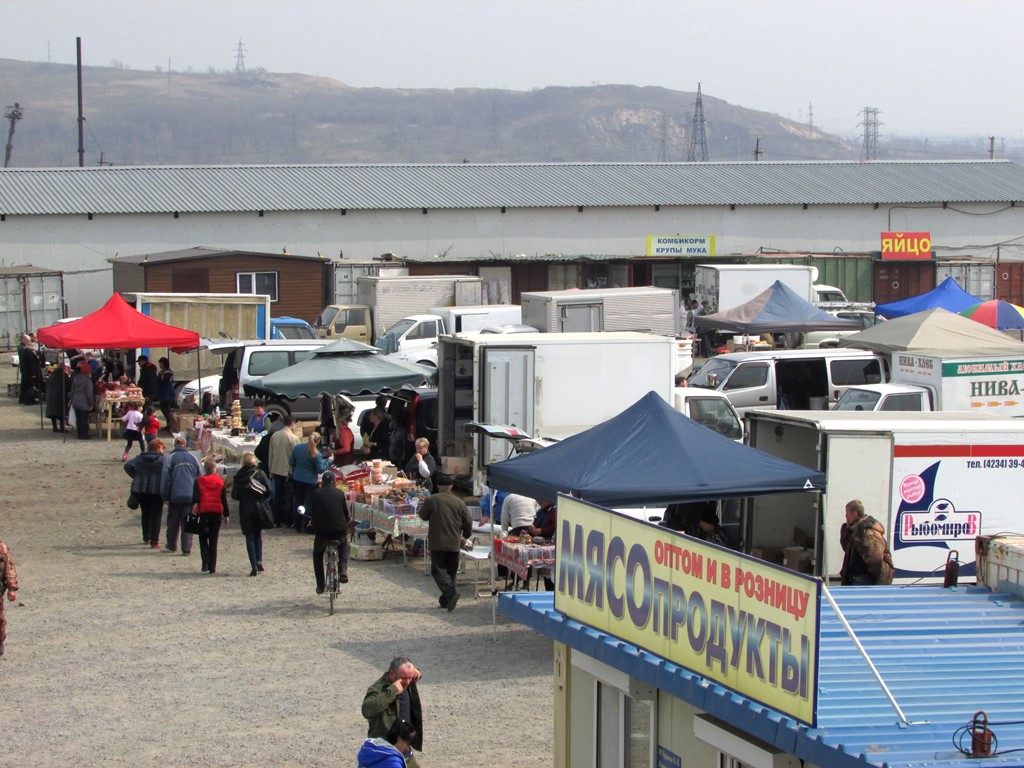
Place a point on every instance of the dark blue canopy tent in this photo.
(777, 308)
(948, 295)
(650, 454)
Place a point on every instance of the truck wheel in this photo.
(276, 406)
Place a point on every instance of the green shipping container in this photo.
(851, 273)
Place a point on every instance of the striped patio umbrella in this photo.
(1001, 315)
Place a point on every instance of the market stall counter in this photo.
(521, 557)
(110, 405)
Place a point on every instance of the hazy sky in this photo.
(932, 67)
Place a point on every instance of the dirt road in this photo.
(119, 655)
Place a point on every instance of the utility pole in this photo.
(240, 58)
(663, 154)
(869, 148)
(14, 114)
(757, 149)
(810, 114)
(698, 149)
(81, 116)
(991, 147)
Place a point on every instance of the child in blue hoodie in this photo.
(389, 753)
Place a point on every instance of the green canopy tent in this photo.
(346, 366)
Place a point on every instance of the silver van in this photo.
(248, 360)
(790, 380)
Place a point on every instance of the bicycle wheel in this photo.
(332, 575)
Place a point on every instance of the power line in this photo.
(698, 149)
(869, 147)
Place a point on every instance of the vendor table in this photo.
(395, 527)
(105, 406)
(520, 558)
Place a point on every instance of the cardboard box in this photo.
(308, 427)
(455, 465)
(366, 551)
(768, 554)
(797, 559)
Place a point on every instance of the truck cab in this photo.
(290, 328)
(415, 333)
(345, 321)
(884, 397)
(710, 408)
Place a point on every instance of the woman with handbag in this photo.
(145, 470)
(251, 490)
(212, 506)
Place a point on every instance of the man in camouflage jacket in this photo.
(867, 559)
(8, 584)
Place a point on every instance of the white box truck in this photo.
(643, 308)
(383, 300)
(546, 384)
(725, 286)
(211, 315)
(414, 337)
(934, 480)
(935, 381)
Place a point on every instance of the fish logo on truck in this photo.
(924, 521)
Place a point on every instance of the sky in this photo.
(931, 67)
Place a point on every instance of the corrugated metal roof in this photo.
(945, 654)
(211, 189)
(201, 252)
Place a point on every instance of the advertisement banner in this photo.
(680, 245)
(736, 620)
(906, 246)
(945, 495)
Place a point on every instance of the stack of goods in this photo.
(236, 415)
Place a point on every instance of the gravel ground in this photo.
(119, 655)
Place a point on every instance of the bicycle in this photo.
(332, 582)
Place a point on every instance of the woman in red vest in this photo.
(212, 506)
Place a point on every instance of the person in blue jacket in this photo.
(391, 752)
(307, 464)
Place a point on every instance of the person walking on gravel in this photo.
(8, 584)
(180, 471)
(450, 524)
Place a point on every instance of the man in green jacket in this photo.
(450, 525)
(394, 697)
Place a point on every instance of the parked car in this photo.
(826, 339)
(188, 396)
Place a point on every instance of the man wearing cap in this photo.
(329, 516)
(148, 380)
(450, 524)
(710, 530)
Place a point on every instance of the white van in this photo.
(248, 360)
(790, 380)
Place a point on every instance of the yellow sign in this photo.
(736, 620)
(681, 245)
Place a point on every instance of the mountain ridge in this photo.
(135, 117)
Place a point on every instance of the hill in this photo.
(184, 118)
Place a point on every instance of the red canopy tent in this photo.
(116, 325)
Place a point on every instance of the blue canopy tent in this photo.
(777, 308)
(947, 295)
(650, 454)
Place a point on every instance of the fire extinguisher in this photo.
(952, 574)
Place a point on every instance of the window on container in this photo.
(624, 729)
(258, 284)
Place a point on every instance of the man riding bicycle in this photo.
(329, 517)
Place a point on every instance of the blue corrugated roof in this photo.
(944, 654)
(227, 188)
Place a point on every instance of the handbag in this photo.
(193, 523)
(133, 500)
(264, 516)
(257, 487)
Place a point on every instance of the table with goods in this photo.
(111, 400)
(522, 554)
(384, 504)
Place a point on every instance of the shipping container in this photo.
(30, 298)
(347, 274)
(851, 273)
(1010, 281)
(895, 280)
(976, 276)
